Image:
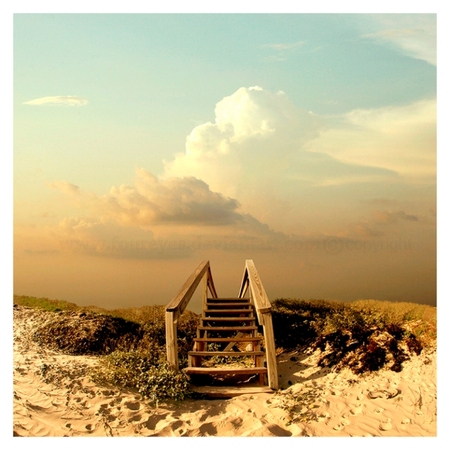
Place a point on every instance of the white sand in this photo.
(385, 403)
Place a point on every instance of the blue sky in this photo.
(145, 143)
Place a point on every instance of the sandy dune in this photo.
(53, 396)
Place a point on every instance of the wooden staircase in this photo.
(230, 351)
(227, 349)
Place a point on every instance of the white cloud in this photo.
(401, 139)
(177, 201)
(59, 100)
(412, 34)
(156, 218)
(260, 139)
(254, 134)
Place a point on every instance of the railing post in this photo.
(178, 304)
(271, 357)
(205, 291)
(263, 308)
(171, 339)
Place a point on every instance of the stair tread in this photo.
(228, 319)
(228, 311)
(229, 339)
(232, 304)
(232, 328)
(220, 299)
(219, 353)
(224, 370)
(230, 391)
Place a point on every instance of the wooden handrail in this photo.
(179, 303)
(258, 297)
(257, 293)
(181, 300)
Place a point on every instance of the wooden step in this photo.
(228, 311)
(210, 305)
(224, 370)
(227, 299)
(243, 328)
(229, 339)
(230, 391)
(227, 319)
(219, 353)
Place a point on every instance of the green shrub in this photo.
(148, 373)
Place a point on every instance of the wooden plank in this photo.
(244, 284)
(230, 391)
(243, 328)
(233, 343)
(228, 319)
(225, 353)
(229, 339)
(228, 300)
(271, 358)
(210, 283)
(228, 311)
(222, 305)
(224, 370)
(258, 294)
(171, 339)
(205, 290)
(180, 301)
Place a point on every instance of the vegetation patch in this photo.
(44, 303)
(148, 373)
(84, 333)
(364, 336)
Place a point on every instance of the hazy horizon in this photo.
(147, 143)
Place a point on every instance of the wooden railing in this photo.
(179, 303)
(259, 299)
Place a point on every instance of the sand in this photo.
(53, 396)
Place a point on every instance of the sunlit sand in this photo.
(383, 403)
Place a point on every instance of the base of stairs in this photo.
(230, 391)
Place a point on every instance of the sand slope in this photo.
(53, 396)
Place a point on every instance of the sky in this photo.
(144, 144)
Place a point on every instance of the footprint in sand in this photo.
(152, 421)
(134, 406)
(322, 417)
(386, 426)
(356, 410)
(90, 427)
(135, 418)
(341, 425)
(207, 429)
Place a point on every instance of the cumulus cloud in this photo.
(173, 201)
(155, 218)
(261, 138)
(59, 100)
(152, 201)
(412, 34)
